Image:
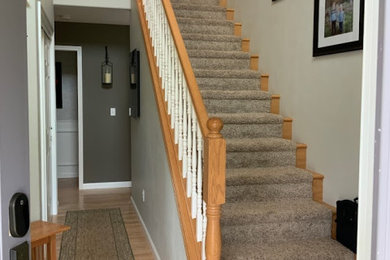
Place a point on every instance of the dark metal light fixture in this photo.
(107, 72)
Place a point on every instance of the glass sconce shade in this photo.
(107, 73)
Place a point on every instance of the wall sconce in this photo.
(107, 72)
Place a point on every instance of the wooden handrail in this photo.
(192, 85)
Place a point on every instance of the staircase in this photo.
(269, 211)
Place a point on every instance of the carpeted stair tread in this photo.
(208, 22)
(227, 84)
(248, 118)
(218, 54)
(274, 211)
(199, 11)
(250, 125)
(212, 42)
(314, 249)
(236, 94)
(271, 175)
(203, 2)
(236, 74)
(205, 26)
(259, 145)
(197, 7)
(211, 38)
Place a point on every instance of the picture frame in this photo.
(338, 26)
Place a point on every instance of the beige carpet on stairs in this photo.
(269, 211)
(95, 235)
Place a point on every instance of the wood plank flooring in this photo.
(70, 198)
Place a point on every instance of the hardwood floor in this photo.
(70, 198)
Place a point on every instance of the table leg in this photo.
(51, 248)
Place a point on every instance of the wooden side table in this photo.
(44, 233)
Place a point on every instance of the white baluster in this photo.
(194, 165)
(185, 104)
(169, 85)
(189, 147)
(199, 220)
(180, 97)
(176, 126)
(172, 94)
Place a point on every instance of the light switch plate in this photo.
(130, 111)
(112, 111)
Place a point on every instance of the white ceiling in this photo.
(119, 4)
(77, 14)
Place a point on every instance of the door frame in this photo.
(45, 27)
(78, 50)
(370, 135)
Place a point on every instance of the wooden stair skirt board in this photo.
(230, 14)
(287, 128)
(237, 29)
(245, 45)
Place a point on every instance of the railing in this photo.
(200, 148)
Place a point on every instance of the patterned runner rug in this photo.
(95, 234)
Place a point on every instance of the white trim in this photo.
(106, 185)
(367, 134)
(53, 131)
(155, 252)
(42, 123)
(78, 49)
(67, 171)
(381, 208)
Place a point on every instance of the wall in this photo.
(150, 166)
(106, 138)
(14, 161)
(48, 7)
(33, 111)
(67, 121)
(322, 94)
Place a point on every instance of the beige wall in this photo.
(150, 171)
(321, 94)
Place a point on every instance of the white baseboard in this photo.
(106, 185)
(67, 171)
(155, 252)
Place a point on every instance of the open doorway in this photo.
(69, 112)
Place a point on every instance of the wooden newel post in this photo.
(214, 186)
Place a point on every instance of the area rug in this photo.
(95, 234)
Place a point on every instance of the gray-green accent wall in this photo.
(106, 138)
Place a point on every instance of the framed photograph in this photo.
(338, 26)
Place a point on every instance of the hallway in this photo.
(70, 198)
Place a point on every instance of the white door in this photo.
(14, 165)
